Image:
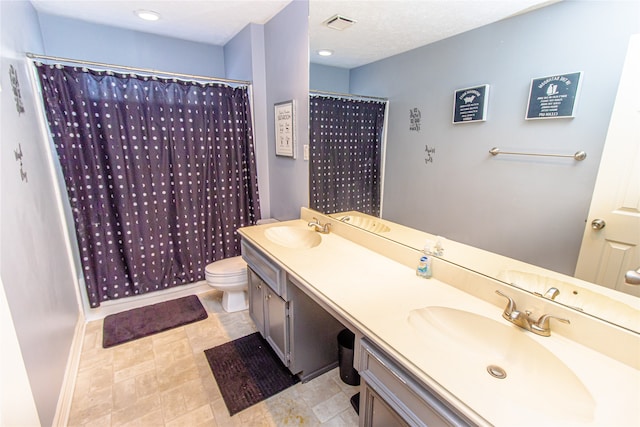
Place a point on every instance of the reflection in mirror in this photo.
(615, 307)
(346, 137)
(440, 177)
(397, 232)
(569, 292)
(363, 221)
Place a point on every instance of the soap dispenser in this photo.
(424, 263)
(424, 267)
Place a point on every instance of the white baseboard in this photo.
(63, 409)
(128, 303)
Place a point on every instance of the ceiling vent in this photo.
(338, 22)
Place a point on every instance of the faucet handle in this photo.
(510, 308)
(552, 293)
(541, 327)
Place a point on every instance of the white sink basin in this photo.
(293, 237)
(469, 346)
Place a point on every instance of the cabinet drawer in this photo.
(270, 272)
(411, 400)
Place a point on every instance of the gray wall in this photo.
(328, 78)
(287, 66)
(532, 209)
(35, 269)
(76, 39)
(17, 407)
(245, 60)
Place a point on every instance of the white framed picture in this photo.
(284, 114)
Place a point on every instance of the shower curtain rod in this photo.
(136, 69)
(346, 95)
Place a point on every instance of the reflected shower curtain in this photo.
(345, 141)
(160, 173)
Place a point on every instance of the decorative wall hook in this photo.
(19, 156)
(15, 87)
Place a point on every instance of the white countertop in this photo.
(376, 294)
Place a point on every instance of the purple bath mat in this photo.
(144, 321)
(248, 371)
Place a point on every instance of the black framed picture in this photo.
(470, 104)
(553, 97)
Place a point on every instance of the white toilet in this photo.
(229, 275)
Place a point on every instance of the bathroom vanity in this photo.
(300, 331)
(434, 351)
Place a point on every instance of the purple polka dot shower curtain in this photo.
(160, 174)
(345, 147)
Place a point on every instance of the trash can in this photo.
(348, 374)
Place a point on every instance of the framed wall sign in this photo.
(284, 125)
(553, 97)
(470, 104)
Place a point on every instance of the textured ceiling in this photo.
(389, 27)
(383, 28)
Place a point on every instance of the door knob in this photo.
(632, 277)
(598, 224)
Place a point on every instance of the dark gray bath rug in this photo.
(144, 321)
(248, 371)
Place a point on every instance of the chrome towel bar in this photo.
(579, 155)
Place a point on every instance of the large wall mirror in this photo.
(439, 176)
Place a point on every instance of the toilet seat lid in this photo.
(227, 267)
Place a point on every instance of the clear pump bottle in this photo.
(424, 267)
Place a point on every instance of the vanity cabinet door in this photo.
(270, 313)
(256, 289)
(277, 324)
(377, 413)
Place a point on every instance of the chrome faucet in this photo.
(524, 319)
(317, 226)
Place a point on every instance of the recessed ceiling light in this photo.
(147, 15)
(325, 52)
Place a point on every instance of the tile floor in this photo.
(165, 380)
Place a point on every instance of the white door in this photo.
(608, 253)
